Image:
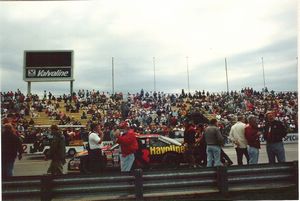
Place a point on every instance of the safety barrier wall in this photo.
(153, 184)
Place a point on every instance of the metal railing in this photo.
(153, 184)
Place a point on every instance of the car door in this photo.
(156, 147)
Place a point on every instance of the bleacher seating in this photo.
(43, 118)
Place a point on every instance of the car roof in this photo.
(165, 138)
(145, 136)
(148, 135)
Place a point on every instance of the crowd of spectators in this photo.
(147, 112)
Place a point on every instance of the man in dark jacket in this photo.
(214, 140)
(274, 131)
(57, 152)
(11, 147)
(189, 143)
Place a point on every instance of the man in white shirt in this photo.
(237, 136)
(95, 154)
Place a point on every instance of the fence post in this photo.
(46, 187)
(138, 174)
(295, 172)
(222, 179)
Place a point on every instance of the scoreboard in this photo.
(48, 66)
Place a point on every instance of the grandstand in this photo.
(146, 111)
(43, 119)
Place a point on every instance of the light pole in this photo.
(263, 68)
(154, 74)
(226, 76)
(112, 75)
(188, 73)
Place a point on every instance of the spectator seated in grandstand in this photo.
(83, 116)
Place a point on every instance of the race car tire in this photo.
(46, 152)
(170, 160)
(71, 152)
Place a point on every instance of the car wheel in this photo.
(46, 152)
(171, 160)
(71, 152)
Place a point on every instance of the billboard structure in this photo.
(48, 66)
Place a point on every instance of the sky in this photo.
(182, 39)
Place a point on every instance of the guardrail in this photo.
(152, 184)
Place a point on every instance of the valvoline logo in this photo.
(170, 148)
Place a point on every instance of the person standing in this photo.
(189, 143)
(95, 153)
(57, 152)
(274, 131)
(214, 140)
(200, 146)
(128, 144)
(11, 148)
(237, 136)
(252, 136)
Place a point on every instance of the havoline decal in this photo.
(162, 150)
(48, 73)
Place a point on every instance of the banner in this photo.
(48, 72)
(291, 138)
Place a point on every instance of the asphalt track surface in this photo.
(36, 165)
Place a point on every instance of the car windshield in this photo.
(169, 140)
(115, 146)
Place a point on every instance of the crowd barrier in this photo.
(153, 184)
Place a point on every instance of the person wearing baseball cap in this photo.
(128, 144)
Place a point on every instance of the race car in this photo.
(153, 150)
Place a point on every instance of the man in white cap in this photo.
(128, 144)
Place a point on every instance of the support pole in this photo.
(263, 68)
(226, 76)
(154, 74)
(139, 193)
(47, 188)
(222, 180)
(71, 87)
(28, 88)
(113, 75)
(188, 73)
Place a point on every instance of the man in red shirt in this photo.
(252, 136)
(128, 144)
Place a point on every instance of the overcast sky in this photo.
(133, 32)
